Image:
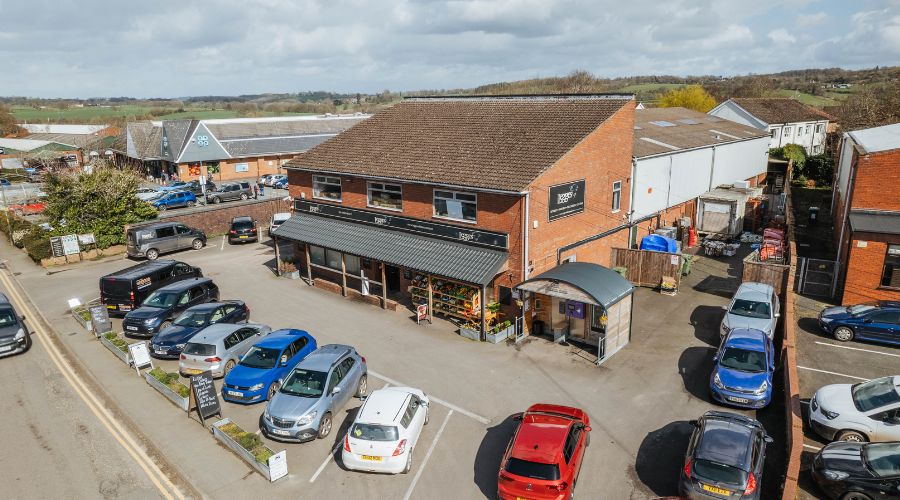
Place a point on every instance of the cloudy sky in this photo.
(162, 48)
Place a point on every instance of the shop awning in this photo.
(582, 282)
(468, 263)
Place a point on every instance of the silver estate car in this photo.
(316, 389)
(219, 347)
(754, 306)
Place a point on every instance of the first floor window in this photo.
(775, 133)
(890, 275)
(820, 128)
(617, 196)
(388, 196)
(327, 188)
(454, 205)
(807, 129)
(787, 131)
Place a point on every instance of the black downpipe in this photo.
(600, 236)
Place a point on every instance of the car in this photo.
(196, 188)
(858, 471)
(229, 191)
(280, 183)
(725, 457)
(277, 220)
(275, 179)
(263, 179)
(313, 392)
(259, 374)
(868, 411)
(5, 182)
(14, 337)
(544, 457)
(744, 368)
(151, 240)
(754, 305)
(161, 306)
(174, 199)
(168, 343)
(385, 431)
(218, 348)
(30, 207)
(147, 193)
(122, 291)
(877, 321)
(243, 230)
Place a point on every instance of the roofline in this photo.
(598, 95)
(406, 181)
(686, 150)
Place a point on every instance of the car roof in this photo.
(747, 338)
(727, 439)
(219, 331)
(4, 300)
(889, 303)
(242, 218)
(141, 269)
(182, 285)
(753, 290)
(384, 406)
(282, 215)
(541, 437)
(279, 339)
(324, 357)
(206, 306)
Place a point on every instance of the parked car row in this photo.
(277, 181)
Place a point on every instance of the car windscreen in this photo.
(717, 472)
(161, 299)
(751, 309)
(243, 224)
(861, 308)
(743, 360)
(192, 318)
(7, 317)
(305, 383)
(199, 349)
(373, 432)
(875, 394)
(883, 458)
(534, 470)
(260, 357)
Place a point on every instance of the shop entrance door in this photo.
(392, 276)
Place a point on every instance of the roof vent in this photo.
(663, 123)
(688, 121)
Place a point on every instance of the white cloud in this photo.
(781, 36)
(808, 20)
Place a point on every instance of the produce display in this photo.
(448, 297)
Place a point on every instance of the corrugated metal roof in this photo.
(875, 221)
(686, 129)
(602, 283)
(877, 139)
(56, 128)
(273, 145)
(28, 144)
(466, 263)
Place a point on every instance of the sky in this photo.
(163, 48)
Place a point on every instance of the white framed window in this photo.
(326, 187)
(241, 167)
(808, 129)
(820, 128)
(775, 132)
(787, 131)
(617, 196)
(385, 196)
(455, 205)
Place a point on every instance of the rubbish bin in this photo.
(813, 215)
(538, 327)
(686, 260)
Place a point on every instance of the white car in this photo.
(277, 220)
(869, 411)
(385, 432)
(146, 193)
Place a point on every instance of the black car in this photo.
(243, 229)
(168, 343)
(858, 471)
(157, 311)
(196, 188)
(725, 457)
(14, 338)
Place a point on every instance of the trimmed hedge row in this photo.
(26, 235)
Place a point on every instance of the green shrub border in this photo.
(249, 441)
(171, 381)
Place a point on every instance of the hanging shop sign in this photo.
(566, 199)
(417, 226)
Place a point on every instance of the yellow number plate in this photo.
(193, 372)
(370, 457)
(241, 237)
(718, 491)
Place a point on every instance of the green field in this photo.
(644, 88)
(812, 100)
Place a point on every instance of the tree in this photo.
(690, 97)
(872, 106)
(8, 124)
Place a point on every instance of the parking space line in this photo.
(434, 443)
(858, 349)
(222, 246)
(811, 447)
(830, 373)
(326, 461)
(472, 415)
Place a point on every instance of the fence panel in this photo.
(765, 272)
(646, 268)
(817, 277)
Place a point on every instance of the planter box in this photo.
(238, 449)
(171, 395)
(496, 338)
(470, 334)
(293, 275)
(123, 356)
(86, 324)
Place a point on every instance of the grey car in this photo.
(230, 191)
(14, 338)
(219, 347)
(754, 306)
(163, 237)
(313, 392)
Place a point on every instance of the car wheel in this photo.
(843, 334)
(162, 208)
(228, 366)
(217, 200)
(152, 254)
(272, 390)
(190, 204)
(363, 386)
(197, 244)
(244, 196)
(851, 437)
(855, 495)
(408, 462)
(325, 426)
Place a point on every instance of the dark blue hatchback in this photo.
(873, 321)
(168, 343)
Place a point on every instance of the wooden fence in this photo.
(646, 268)
(765, 272)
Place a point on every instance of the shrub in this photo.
(171, 381)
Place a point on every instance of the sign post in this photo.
(278, 466)
(70, 244)
(140, 355)
(204, 397)
(100, 320)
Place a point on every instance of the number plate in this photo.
(161, 351)
(241, 237)
(110, 307)
(371, 458)
(280, 432)
(717, 491)
(124, 308)
(133, 328)
(738, 400)
(6, 348)
(234, 393)
(192, 371)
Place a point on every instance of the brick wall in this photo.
(877, 183)
(864, 269)
(216, 219)
(256, 166)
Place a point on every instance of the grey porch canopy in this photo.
(875, 221)
(467, 263)
(581, 282)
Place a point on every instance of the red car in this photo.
(544, 457)
(28, 208)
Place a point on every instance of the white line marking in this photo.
(325, 463)
(830, 373)
(222, 247)
(474, 416)
(427, 456)
(811, 447)
(858, 349)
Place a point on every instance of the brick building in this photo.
(442, 197)
(866, 208)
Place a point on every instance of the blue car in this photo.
(174, 199)
(874, 321)
(259, 374)
(280, 184)
(744, 368)
(168, 343)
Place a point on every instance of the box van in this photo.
(152, 240)
(124, 290)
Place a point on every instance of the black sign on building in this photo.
(566, 199)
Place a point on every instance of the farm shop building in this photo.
(224, 149)
(453, 201)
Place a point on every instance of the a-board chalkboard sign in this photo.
(204, 397)
(100, 320)
(56, 246)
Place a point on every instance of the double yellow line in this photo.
(104, 416)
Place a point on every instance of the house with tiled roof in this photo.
(787, 121)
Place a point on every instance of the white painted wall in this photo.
(740, 161)
(796, 133)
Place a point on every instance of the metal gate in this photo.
(816, 277)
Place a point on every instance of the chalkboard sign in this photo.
(100, 320)
(204, 397)
(56, 246)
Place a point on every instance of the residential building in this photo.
(14, 152)
(866, 208)
(787, 121)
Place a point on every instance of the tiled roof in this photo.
(677, 129)
(146, 137)
(482, 142)
(177, 133)
(774, 110)
(244, 128)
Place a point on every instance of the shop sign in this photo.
(566, 199)
(100, 319)
(70, 244)
(575, 309)
(140, 356)
(417, 226)
(278, 466)
(56, 246)
(421, 313)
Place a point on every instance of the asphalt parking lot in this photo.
(640, 400)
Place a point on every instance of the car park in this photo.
(14, 337)
(230, 191)
(743, 370)
(725, 457)
(858, 471)
(877, 321)
(313, 392)
(259, 373)
(754, 305)
(544, 457)
(168, 343)
(124, 290)
(243, 230)
(868, 411)
(219, 347)
(161, 306)
(152, 240)
(277, 220)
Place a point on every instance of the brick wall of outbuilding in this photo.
(864, 269)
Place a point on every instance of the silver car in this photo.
(754, 306)
(869, 411)
(219, 347)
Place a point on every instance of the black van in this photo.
(124, 290)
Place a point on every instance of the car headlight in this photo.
(179, 346)
(256, 387)
(307, 419)
(825, 319)
(830, 415)
(20, 335)
(151, 321)
(266, 414)
(835, 475)
(718, 382)
(762, 389)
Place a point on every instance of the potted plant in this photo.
(289, 270)
(499, 332)
(169, 386)
(470, 330)
(117, 346)
(246, 445)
